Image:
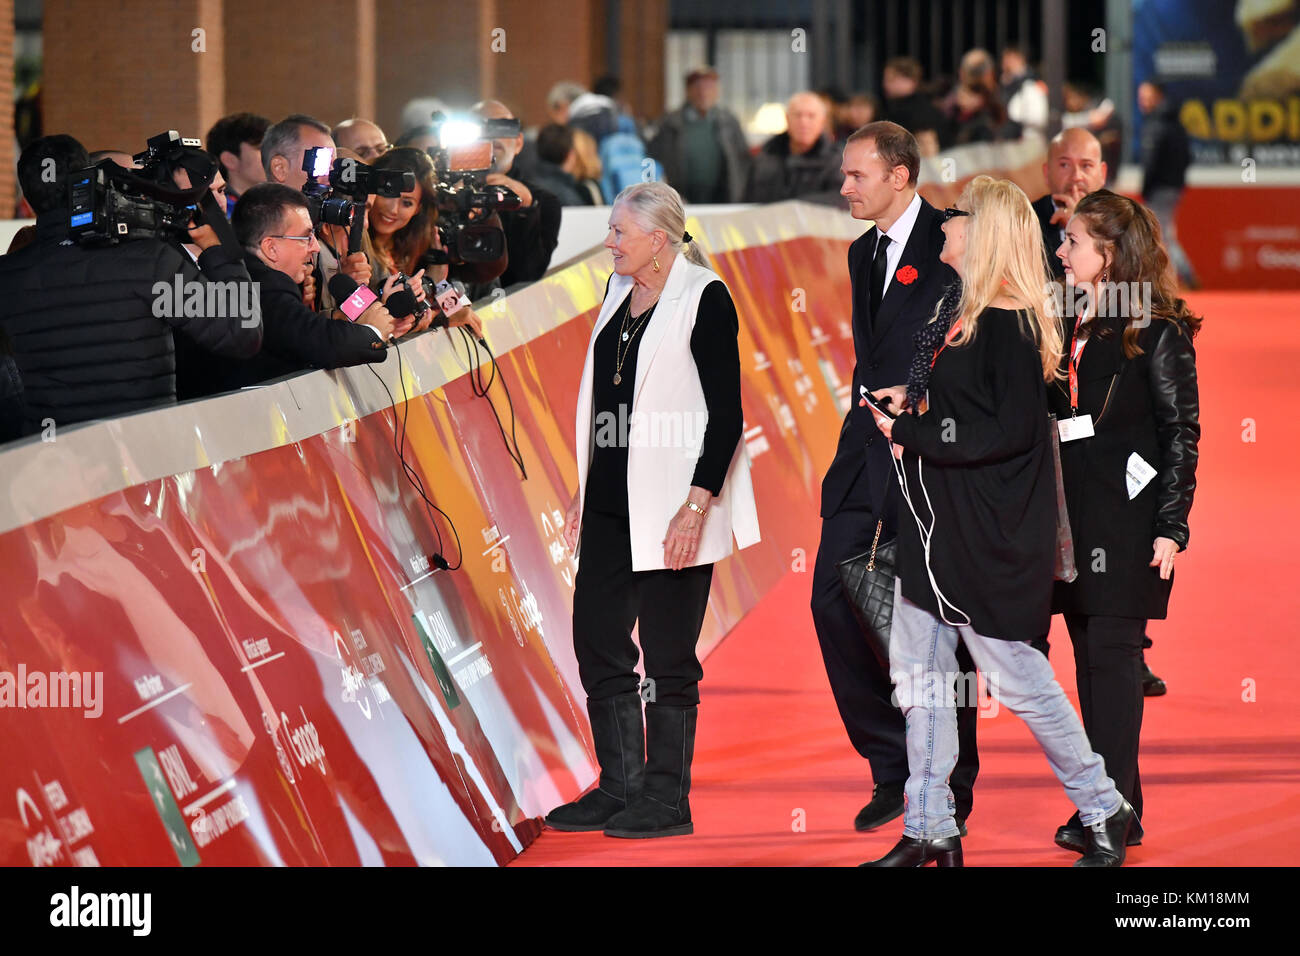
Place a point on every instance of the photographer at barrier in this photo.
(284, 144)
(274, 227)
(407, 238)
(283, 147)
(334, 257)
(217, 187)
(235, 141)
(339, 214)
(91, 305)
(532, 230)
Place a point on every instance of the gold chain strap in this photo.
(871, 562)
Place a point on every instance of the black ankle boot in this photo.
(1105, 844)
(945, 851)
(1070, 835)
(663, 809)
(619, 736)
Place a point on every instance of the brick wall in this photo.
(117, 73)
(429, 49)
(316, 58)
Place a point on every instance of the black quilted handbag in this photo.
(868, 582)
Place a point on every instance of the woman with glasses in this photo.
(978, 526)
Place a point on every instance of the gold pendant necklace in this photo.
(627, 336)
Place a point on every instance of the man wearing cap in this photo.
(701, 146)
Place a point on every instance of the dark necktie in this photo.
(878, 274)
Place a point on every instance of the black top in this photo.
(717, 358)
(987, 468)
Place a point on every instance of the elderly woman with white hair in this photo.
(663, 485)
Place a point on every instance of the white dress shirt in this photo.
(898, 235)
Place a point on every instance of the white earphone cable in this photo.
(926, 535)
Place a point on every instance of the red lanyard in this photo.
(953, 332)
(1075, 354)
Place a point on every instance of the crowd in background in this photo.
(591, 148)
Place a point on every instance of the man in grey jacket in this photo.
(701, 145)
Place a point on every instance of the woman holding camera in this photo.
(1129, 410)
(651, 517)
(404, 231)
(359, 266)
(978, 536)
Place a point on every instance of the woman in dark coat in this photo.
(1128, 401)
(977, 535)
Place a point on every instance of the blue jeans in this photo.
(923, 667)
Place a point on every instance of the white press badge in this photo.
(1074, 427)
(1137, 475)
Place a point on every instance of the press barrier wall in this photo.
(222, 640)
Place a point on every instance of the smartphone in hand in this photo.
(875, 404)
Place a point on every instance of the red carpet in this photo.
(776, 782)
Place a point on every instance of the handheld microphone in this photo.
(353, 299)
(418, 308)
(450, 296)
(402, 303)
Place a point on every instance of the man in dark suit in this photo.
(897, 283)
(1073, 169)
(273, 225)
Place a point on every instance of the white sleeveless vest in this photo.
(665, 427)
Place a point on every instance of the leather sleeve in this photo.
(1175, 398)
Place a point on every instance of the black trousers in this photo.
(862, 688)
(609, 597)
(1108, 667)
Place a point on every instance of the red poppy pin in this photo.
(906, 275)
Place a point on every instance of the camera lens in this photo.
(337, 212)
